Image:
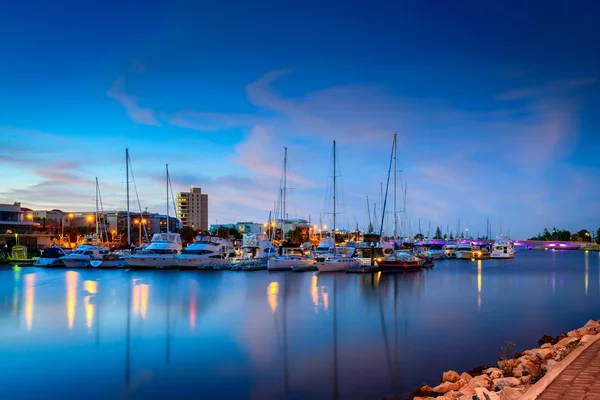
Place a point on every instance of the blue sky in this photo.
(495, 106)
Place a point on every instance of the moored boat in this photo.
(160, 253)
(400, 261)
(503, 248)
(51, 257)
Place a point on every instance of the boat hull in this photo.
(496, 254)
(337, 265)
(399, 266)
(49, 262)
(151, 261)
(275, 264)
(116, 263)
(76, 262)
(464, 255)
(197, 262)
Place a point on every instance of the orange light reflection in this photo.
(272, 291)
(29, 299)
(72, 277)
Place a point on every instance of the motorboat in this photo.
(291, 256)
(400, 261)
(503, 248)
(372, 248)
(161, 252)
(464, 251)
(51, 257)
(206, 252)
(436, 251)
(83, 256)
(450, 250)
(110, 260)
(341, 260)
(324, 249)
(481, 252)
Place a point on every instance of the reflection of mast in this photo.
(285, 349)
(386, 344)
(335, 363)
(168, 349)
(127, 345)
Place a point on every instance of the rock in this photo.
(591, 324)
(445, 387)
(481, 381)
(510, 393)
(574, 334)
(550, 364)
(451, 395)
(546, 346)
(450, 376)
(466, 377)
(545, 354)
(484, 394)
(586, 331)
(566, 341)
(500, 384)
(547, 339)
(423, 391)
(495, 373)
(461, 382)
(525, 368)
(525, 380)
(477, 370)
(597, 329)
(468, 389)
(531, 352)
(587, 338)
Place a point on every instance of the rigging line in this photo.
(386, 190)
(103, 220)
(137, 197)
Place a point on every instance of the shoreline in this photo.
(516, 376)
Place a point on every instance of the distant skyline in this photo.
(496, 106)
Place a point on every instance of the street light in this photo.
(89, 220)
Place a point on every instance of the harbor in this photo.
(281, 335)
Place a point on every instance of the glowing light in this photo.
(29, 216)
(314, 291)
(72, 277)
(90, 218)
(272, 291)
(71, 215)
(325, 296)
(29, 299)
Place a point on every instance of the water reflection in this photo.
(323, 336)
(29, 299)
(586, 261)
(479, 271)
(92, 288)
(71, 277)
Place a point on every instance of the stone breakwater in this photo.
(511, 377)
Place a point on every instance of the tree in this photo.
(187, 234)
(451, 237)
(438, 233)
(223, 232)
(419, 236)
(233, 233)
(598, 236)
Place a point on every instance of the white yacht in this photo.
(83, 256)
(51, 257)
(503, 248)
(206, 252)
(292, 256)
(450, 250)
(436, 251)
(257, 246)
(341, 260)
(160, 253)
(324, 249)
(464, 251)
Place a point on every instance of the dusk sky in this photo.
(496, 106)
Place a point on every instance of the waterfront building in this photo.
(17, 226)
(248, 228)
(192, 209)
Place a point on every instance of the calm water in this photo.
(164, 334)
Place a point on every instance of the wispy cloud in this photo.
(130, 102)
(547, 89)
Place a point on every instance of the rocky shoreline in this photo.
(511, 377)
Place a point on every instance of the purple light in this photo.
(562, 245)
(552, 244)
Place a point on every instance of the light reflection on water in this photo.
(222, 334)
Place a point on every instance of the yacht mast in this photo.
(167, 198)
(334, 250)
(97, 211)
(127, 180)
(284, 192)
(395, 179)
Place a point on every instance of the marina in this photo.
(280, 335)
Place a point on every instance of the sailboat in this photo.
(342, 258)
(398, 261)
(90, 250)
(162, 251)
(291, 255)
